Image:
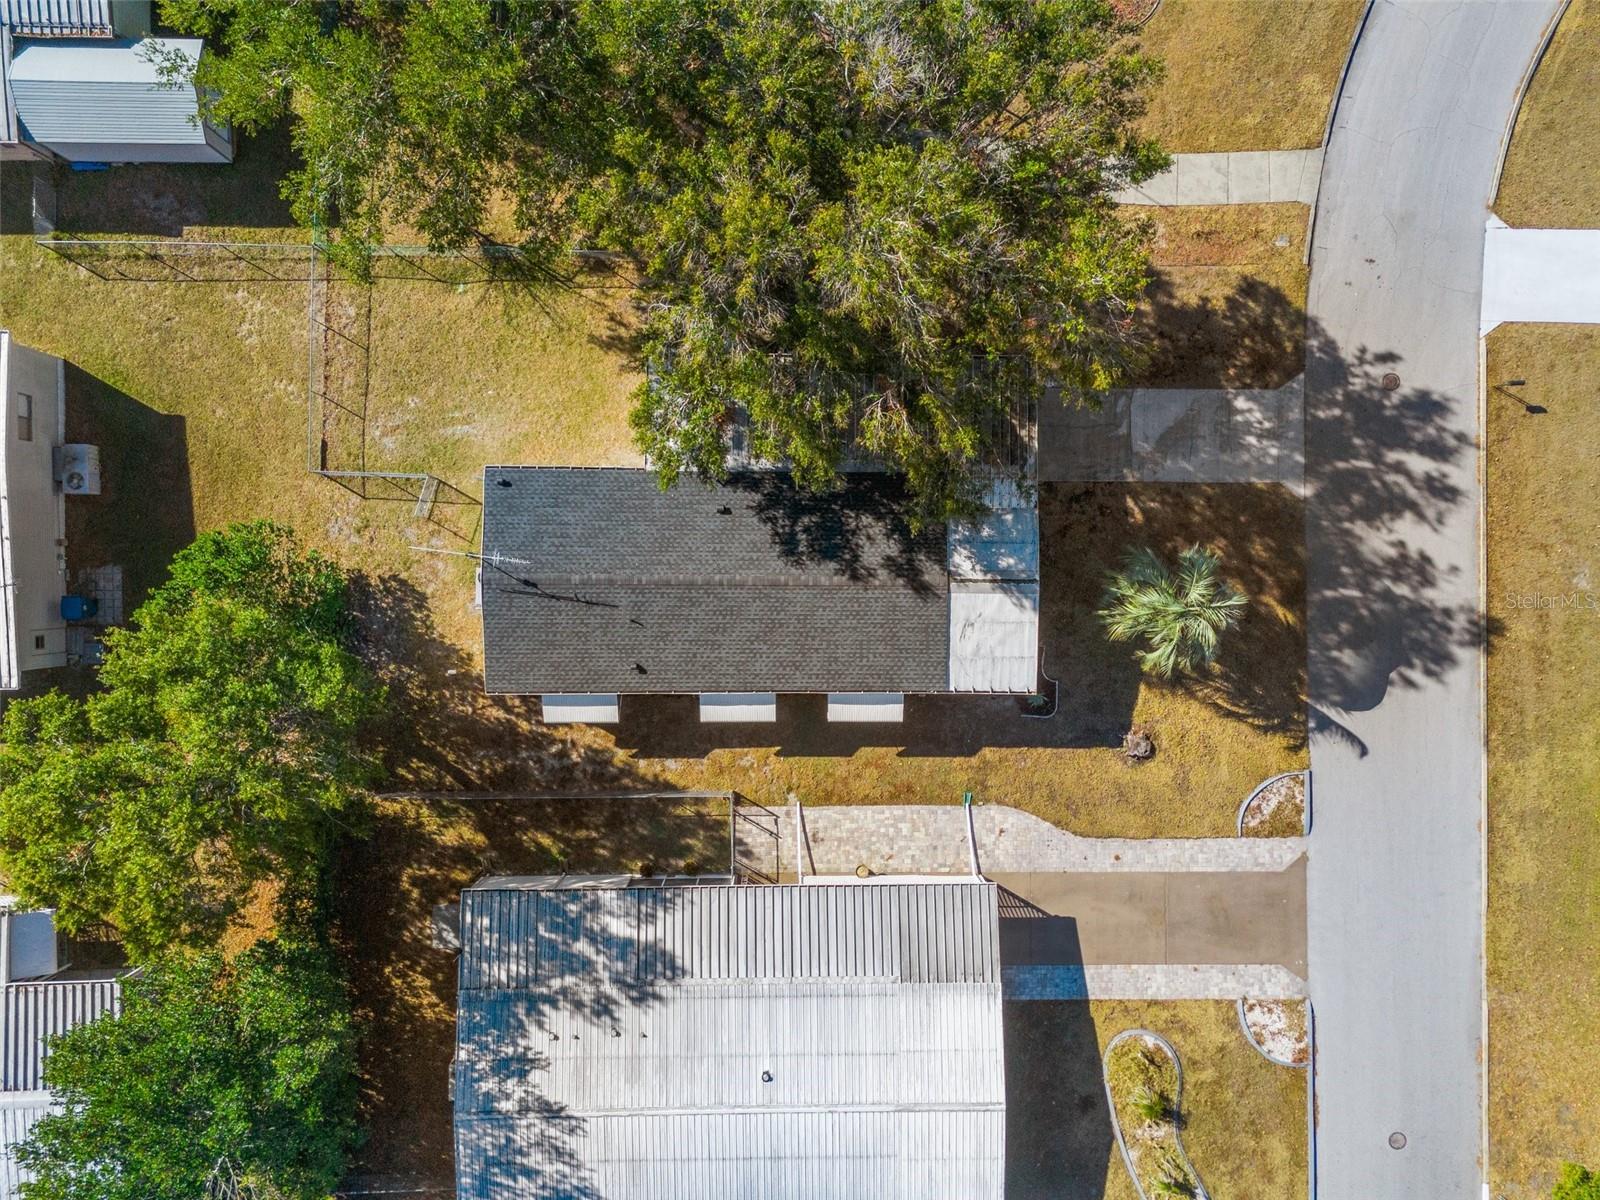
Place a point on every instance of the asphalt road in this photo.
(1394, 892)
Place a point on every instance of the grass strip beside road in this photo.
(1543, 534)
(1551, 178)
(1246, 74)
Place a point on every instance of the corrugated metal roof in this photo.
(103, 92)
(36, 1011)
(17, 1119)
(613, 1042)
(57, 18)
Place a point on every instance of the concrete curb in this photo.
(1305, 820)
(1311, 1102)
(1522, 92)
(1327, 126)
(1262, 1050)
(1177, 1104)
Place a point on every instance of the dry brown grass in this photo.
(1215, 741)
(1552, 171)
(1245, 1127)
(1227, 305)
(1246, 74)
(1543, 497)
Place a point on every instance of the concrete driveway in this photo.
(1394, 889)
(1171, 917)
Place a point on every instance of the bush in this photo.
(1576, 1183)
(220, 753)
(241, 1070)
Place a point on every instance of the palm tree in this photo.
(1181, 613)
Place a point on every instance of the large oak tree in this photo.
(857, 224)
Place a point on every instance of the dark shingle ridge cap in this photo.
(793, 582)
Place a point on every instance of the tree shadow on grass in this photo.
(163, 200)
(144, 513)
(415, 854)
(442, 732)
(1249, 336)
(420, 854)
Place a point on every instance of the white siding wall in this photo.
(33, 512)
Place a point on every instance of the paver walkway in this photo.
(1178, 435)
(1242, 177)
(1151, 983)
(1540, 275)
(926, 839)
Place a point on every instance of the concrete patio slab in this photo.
(1175, 917)
(926, 839)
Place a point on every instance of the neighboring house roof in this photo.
(103, 92)
(8, 110)
(594, 573)
(58, 18)
(32, 1013)
(730, 1041)
(37, 1011)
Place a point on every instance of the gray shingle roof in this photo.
(598, 581)
(736, 1041)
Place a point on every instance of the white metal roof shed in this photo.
(99, 100)
(747, 1042)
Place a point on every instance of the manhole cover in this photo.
(1397, 1141)
(1391, 382)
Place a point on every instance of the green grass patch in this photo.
(1543, 499)
(1552, 172)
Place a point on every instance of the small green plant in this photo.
(1180, 614)
(1174, 1178)
(1576, 1183)
(1152, 1104)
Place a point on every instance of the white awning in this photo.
(866, 706)
(575, 708)
(994, 637)
(739, 706)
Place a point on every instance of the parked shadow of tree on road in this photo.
(1384, 465)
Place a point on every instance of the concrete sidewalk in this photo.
(1242, 177)
(1540, 275)
(1178, 435)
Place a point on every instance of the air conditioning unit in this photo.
(78, 469)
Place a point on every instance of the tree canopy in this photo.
(865, 224)
(219, 753)
(240, 1072)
